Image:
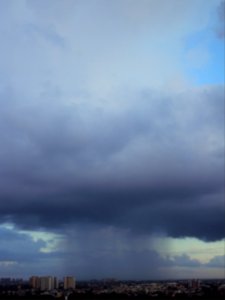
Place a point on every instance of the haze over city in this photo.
(112, 139)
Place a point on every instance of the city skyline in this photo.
(112, 139)
(40, 288)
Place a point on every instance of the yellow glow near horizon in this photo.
(193, 247)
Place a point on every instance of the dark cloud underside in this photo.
(154, 164)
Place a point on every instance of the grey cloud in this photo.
(20, 255)
(149, 165)
(217, 262)
(221, 20)
(185, 261)
(120, 254)
(93, 46)
(34, 31)
(88, 140)
(129, 264)
(116, 253)
(19, 247)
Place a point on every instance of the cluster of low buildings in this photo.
(162, 289)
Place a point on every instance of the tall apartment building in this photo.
(44, 283)
(48, 283)
(35, 282)
(69, 282)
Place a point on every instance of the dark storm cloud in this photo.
(129, 264)
(152, 164)
(118, 253)
(132, 264)
(96, 146)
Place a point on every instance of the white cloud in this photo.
(194, 248)
(91, 46)
(8, 263)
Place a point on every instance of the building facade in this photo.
(69, 282)
(44, 283)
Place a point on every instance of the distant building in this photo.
(56, 283)
(194, 283)
(44, 283)
(48, 283)
(69, 282)
(35, 282)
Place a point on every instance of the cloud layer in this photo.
(152, 163)
(106, 135)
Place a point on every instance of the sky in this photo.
(112, 139)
